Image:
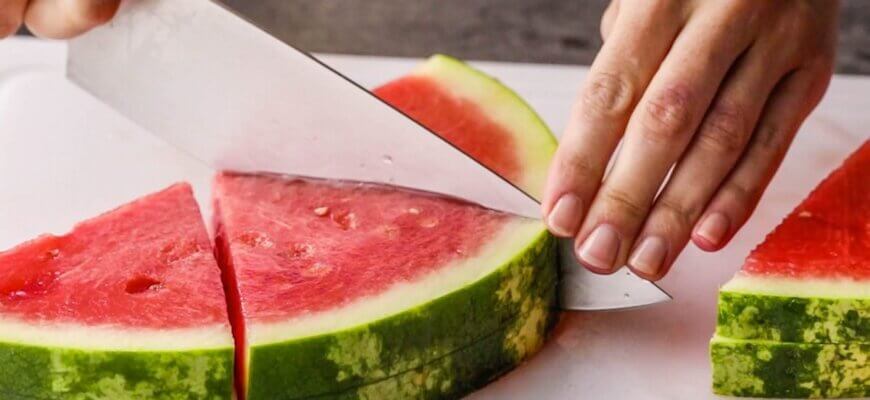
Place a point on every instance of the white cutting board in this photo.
(65, 157)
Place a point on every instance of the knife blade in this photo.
(220, 88)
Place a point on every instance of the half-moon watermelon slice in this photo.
(343, 290)
(129, 305)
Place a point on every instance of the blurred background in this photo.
(540, 31)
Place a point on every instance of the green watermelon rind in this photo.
(30, 371)
(522, 289)
(766, 369)
(757, 316)
(464, 371)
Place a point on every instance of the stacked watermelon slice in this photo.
(330, 289)
(795, 322)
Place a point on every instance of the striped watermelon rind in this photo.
(766, 308)
(756, 368)
(41, 372)
(521, 290)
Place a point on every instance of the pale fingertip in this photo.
(565, 217)
(648, 259)
(711, 233)
(599, 251)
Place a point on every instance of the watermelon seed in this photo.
(321, 211)
(430, 222)
(141, 284)
(391, 231)
(345, 220)
(301, 250)
(805, 214)
(414, 211)
(316, 269)
(50, 255)
(255, 239)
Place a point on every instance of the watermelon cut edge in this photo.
(51, 355)
(399, 344)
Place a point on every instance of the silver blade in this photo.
(236, 98)
(583, 290)
(233, 96)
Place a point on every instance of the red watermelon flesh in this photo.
(826, 236)
(457, 120)
(148, 264)
(319, 245)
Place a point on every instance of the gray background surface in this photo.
(545, 31)
(541, 31)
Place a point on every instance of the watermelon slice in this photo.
(809, 281)
(342, 289)
(757, 368)
(795, 322)
(129, 305)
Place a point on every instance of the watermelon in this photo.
(758, 368)
(795, 321)
(353, 290)
(809, 281)
(129, 305)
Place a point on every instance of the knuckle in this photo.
(667, 115)
(681, 214)
(741, 193)
(580, 167)
(772, 139)
(607, 94)
(625, 204)
(725, 129)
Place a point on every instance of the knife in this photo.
(225, 91)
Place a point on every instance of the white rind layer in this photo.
(798, 287)
(114, 338)
(516, 235)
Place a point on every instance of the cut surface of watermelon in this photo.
(344, 288)
(116, 307)
(809, 281)
(342, 256)
(479, 115)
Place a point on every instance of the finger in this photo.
(792, 100)
(608, 18)
(11, 16)
(620, 73)
(659, 130)
(712, 153)
(61, 19)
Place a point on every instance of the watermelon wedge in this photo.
(129, 305)
(809, 281)
(795, 321)
(346, 290)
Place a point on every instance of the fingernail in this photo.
(599, 250)
(564, 219)
(649, 256)
(713, 228)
